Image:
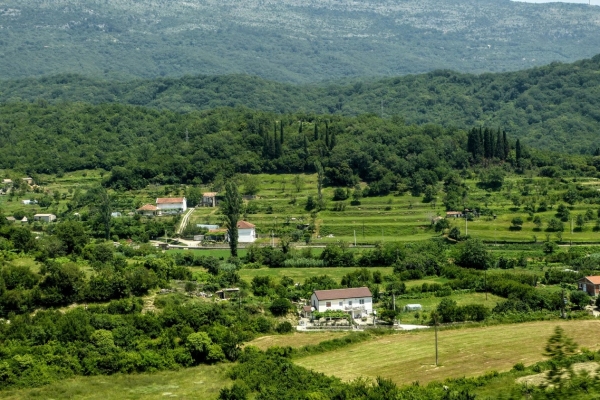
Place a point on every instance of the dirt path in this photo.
(185, 220)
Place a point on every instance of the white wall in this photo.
(173, 206)
(246, 235)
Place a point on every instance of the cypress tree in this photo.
(277, 146)
(518, 149)
(479, 147)
(471, 138)
(332, 141)
(266, 144)
(487, 144)
(300, 127)
(231, 208)
(506, 145)
(326, 134)
(316, 131)
(499, 149)
(305, 145)
(281, 132)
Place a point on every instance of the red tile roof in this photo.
(169, 200)
(245, 225)
(343, 293)
(147, 207)
(594, 279)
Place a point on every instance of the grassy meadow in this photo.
(409, 357)
(202, 382)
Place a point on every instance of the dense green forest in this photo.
(553, 107)
(141, 146)
(289, 41)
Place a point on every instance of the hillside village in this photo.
(317, 200)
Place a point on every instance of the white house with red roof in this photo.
(590, 284)
(356, 301)
(170, 205)
(246, 232)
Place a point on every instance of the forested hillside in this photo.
(289, 40)
(142, 146)
(552, 107)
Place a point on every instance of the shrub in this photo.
(579, 298)
(280, 306)
(519, 367)
(284, 327)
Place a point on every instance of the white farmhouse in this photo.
(170, 205)
(246, 232)
(356, 301)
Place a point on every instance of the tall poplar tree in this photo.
(231, 208)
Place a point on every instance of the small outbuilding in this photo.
(148, 210)
(209, 199)
(454, 214)
(590, 285)
(44, 217)
(413, 307)
(227, 293)
(306, 312)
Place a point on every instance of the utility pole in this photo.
(435, 317)
(355, 238)
(466, 225)
(563, 301)
(485, 282)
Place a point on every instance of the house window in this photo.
(341, 303)
(361, 301)
(350, 303)
(328, 304)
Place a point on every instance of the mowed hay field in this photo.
(202, 382)
(296, 339)
(410, 357)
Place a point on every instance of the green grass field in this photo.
(203, 382)
(301, 274)
(409, 357)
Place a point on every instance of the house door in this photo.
(584, 288)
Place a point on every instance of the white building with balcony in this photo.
(358, 302)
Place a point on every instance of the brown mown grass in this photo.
(296, 339)
(407, 358)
